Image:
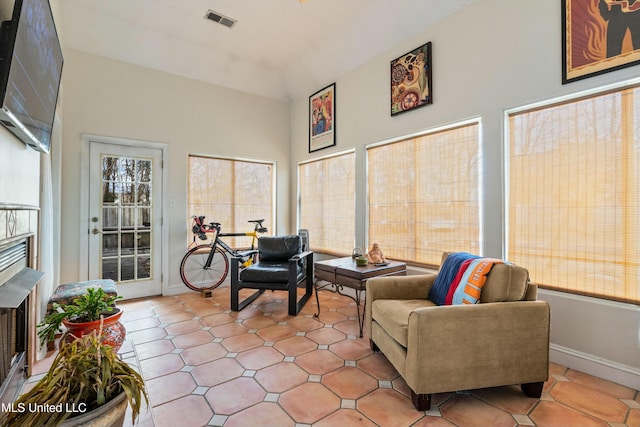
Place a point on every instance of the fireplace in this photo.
(17, 300)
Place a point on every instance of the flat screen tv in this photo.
(30, 72)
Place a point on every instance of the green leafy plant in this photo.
(85, 308)
(85, 374)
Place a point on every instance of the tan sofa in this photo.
(502, 340)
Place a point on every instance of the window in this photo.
(327, 202)
(424, 194)
(231, 192)
(574, 194)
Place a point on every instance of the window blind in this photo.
(424, 194)
(327, 202)
(231, 192)
(574, 195)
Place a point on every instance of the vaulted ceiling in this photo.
(282, 49)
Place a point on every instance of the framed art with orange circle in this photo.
(411, 80)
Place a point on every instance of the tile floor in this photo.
(205, 365)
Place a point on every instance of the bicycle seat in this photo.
(257, 221)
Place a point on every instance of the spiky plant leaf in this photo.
(84, 371)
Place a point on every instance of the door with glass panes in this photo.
(125, 217)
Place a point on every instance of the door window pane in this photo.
(126, 217)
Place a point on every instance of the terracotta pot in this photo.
(113, 332)
(111, 414)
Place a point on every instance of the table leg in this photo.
(360, 318)
(315, 286)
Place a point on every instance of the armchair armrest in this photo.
(400, 287)
(301, 255)
(486, 344)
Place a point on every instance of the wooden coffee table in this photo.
(341, 272)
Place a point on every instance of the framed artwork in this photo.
(322, 118)
(599, 36)
(411, 80)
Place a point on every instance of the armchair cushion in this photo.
(393, 316)
(279, 248)
(269, 272)
(507, 282)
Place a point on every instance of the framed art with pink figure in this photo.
(599, 36)
(322, 118)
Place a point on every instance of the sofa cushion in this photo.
(505, 282)
(393, 316)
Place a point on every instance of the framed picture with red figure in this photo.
(599, 36)
(322, 118)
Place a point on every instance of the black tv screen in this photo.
(31, 68)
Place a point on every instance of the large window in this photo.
(574, 194)
(424, 194)
(327, 202)
(231, 192)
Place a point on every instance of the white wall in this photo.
(19, 171)
(491, 56)
(113, 99)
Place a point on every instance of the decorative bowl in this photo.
(362, 260)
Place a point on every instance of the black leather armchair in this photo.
(282, 265)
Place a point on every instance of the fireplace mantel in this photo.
(17, 221)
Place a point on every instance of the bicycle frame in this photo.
(215, 227)
(205, 266)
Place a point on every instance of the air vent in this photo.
(220, 19)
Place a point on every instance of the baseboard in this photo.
(621, 374)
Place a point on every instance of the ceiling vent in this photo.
(220, 18)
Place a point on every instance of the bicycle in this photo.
(206, 266)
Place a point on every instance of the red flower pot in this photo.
(113, 332)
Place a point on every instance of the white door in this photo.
(125, 201)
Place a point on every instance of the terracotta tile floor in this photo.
(205, 365)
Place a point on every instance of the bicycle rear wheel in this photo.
(196, 276)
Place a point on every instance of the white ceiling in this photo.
(282, 49)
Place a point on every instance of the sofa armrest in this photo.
(485, 344)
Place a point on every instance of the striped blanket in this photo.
(461, 279)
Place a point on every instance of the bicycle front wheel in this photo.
(195, 273)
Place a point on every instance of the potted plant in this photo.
(83, 315)
(86, 384)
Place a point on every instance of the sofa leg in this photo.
(422, 402)
(373, 346)
(532, 389)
